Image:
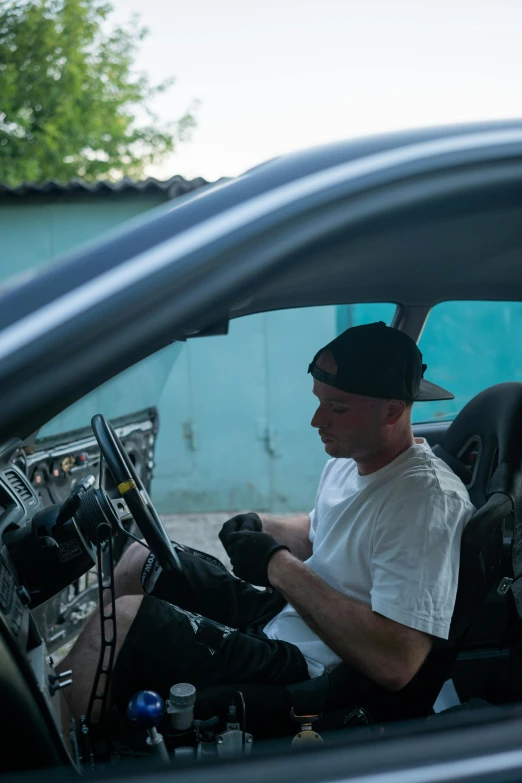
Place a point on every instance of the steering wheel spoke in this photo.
(134, 495)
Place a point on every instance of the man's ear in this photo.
(395, 410)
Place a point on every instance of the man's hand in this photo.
(250, 553)
(250, 521)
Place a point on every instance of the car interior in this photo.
(480, 660)
(48, 546)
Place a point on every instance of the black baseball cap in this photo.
(378, 361)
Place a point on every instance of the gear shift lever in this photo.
(145, 710)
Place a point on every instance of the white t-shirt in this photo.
(390, 539)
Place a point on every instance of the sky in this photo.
(275, 76)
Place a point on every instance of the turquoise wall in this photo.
(34, 231)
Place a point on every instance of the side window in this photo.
(243, 403)
(469, 346)
(234, 411)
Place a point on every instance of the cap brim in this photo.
(430, 392)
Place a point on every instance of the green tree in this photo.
(71, 103)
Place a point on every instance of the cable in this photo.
(243, 717)
(120, 526)
(100, 478)
(129, 535)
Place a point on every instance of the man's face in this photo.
(349, 425)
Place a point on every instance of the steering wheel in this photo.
(135, 495)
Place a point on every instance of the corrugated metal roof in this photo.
(173, 187)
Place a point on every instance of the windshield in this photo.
(139, 387)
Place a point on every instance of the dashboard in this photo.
(32, 699)
(48, 584)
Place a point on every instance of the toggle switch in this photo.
(57, 681)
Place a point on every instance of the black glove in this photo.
(250, 553)
(248, 521)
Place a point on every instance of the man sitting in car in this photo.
(368, 578)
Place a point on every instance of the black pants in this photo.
(202, 626)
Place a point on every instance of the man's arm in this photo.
(291, 531)
(388, 652)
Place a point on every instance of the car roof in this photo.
(404, 154)
(413, 218)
